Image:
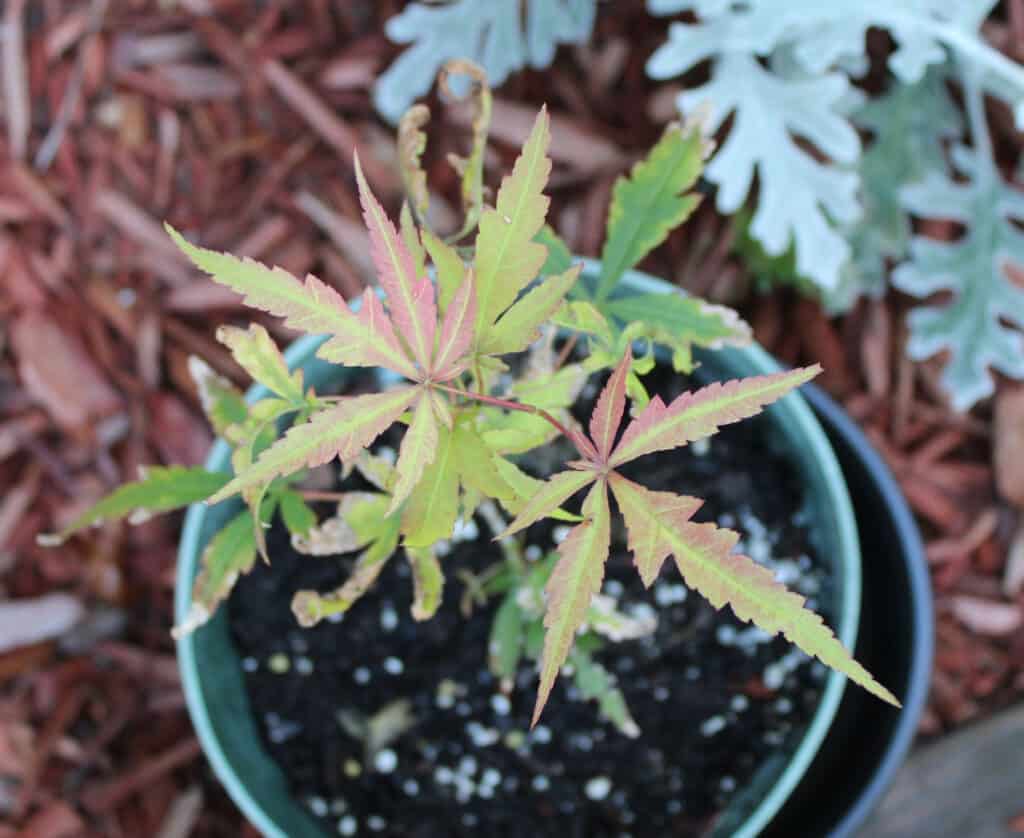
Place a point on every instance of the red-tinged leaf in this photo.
(699, 414)
(519, 326)
(642, 510)
(611, 404)
(343, 431)
(456, 332)
(507, 257)
(575, 580)
(417, 451)
(376, 346)
(549, 496)
(703, 554)
(410, 298)
(310, 306)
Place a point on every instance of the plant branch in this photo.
(582, 444)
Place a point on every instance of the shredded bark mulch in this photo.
(236, 122)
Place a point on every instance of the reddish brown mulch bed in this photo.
(236, 122)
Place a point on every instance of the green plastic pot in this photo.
(212, 674)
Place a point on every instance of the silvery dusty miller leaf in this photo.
(488, 32)
(981, 326)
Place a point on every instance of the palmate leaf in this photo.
(575, 580)
(703, 554)
(159, 489)
(695, 415)
(507, 257)
(410, 297)
(230, 553)
(258, 355)
(649, 204)
(340, 431)
(362, 340)
(611, 404)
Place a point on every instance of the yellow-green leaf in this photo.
(704, 555)
(450, 268)
(258, 355)
(523, 488)
(574, 581)
(311, 307)
(298, 518)
(507, 257)
(433, 503)
(518, 327)
(427, 582)
(699, 414)
(340, 431)
(230, 553)
(223, 403)
(417, 451)
(550, 495)
(412, 142)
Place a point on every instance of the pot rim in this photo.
(848, 603)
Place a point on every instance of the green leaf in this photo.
(682, 321)
(524, 488)
(298, 518)
(222, 402)
(507, 258)
(230, 553)
(575, 580)
(596, 683)
(451, 270)
(583, 316)
(342, 431)
(427, 580)
(519, 326)
(417, 451)
(410, 297)
(433, 503)
(550, 495)
(650, 203)
(559, 256)
(311, 307)
(159, 489)
(474, 461)
(699, 414)
(505, 647)
(258, 355)
(703, 554)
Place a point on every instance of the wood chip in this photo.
(1008, 448)
(988, 617)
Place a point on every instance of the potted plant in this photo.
(467, 414)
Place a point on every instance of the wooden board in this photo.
(969, 785)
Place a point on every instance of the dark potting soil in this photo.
(715, 698)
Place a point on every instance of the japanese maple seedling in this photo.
(467, 416)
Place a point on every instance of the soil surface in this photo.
(714, 697)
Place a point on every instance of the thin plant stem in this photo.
(310, 494)
(582, 444)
